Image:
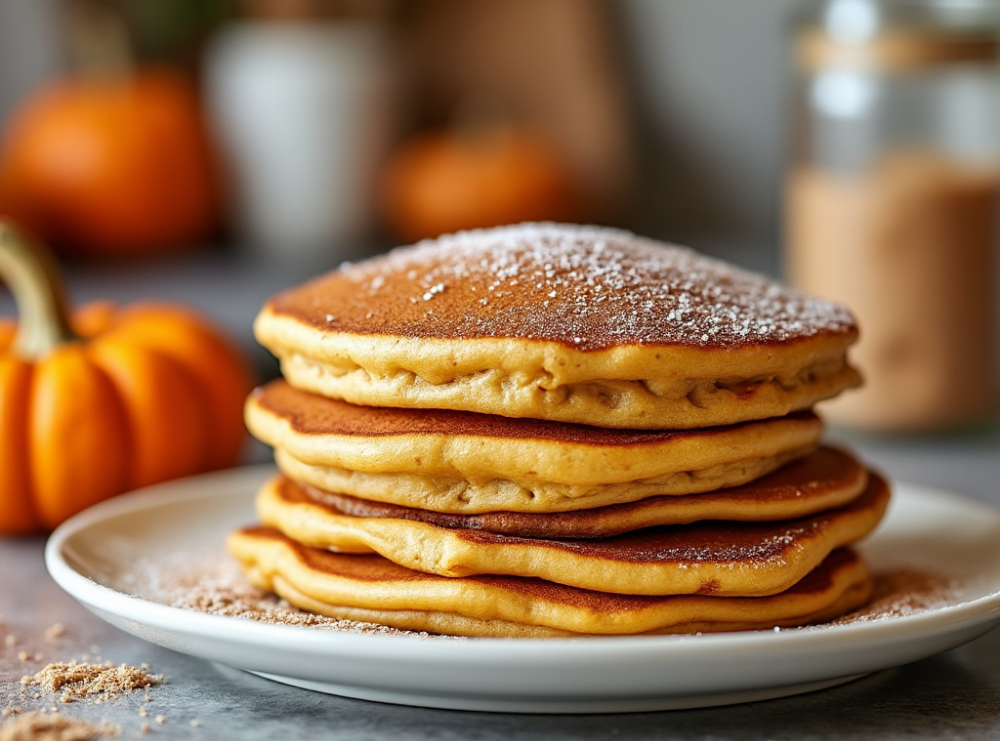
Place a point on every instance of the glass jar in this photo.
(892, 197)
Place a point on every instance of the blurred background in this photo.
(214, 151)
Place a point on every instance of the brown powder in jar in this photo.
(77, 680)
(909, 245)
(54, 727)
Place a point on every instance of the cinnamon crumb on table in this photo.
(76, 680)
(41, 726)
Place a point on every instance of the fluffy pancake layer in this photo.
(576, 324)
(825, 479)
(717, 558)
(373, 589)
(466, 463)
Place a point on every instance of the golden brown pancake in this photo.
(464, 463)
(825, 479)
(576, 324)
(373, 589)
(719, 558)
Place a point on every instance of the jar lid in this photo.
(894, 50)
(899, 35)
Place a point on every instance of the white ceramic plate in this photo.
(103, 556)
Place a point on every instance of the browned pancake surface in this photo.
(584, 287)
(708, 542)
(311, 414)
(819, 474)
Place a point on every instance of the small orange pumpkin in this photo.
(445, 181)
(110, 166)
(115, 401)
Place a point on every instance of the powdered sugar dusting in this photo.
(587, 287)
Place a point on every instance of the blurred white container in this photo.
(302, 112)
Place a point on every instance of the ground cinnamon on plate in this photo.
(226, 592)
(902, 592)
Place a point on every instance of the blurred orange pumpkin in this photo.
(112, 165)
(446, 181)
(121, 399)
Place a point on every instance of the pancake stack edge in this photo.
(555, 430)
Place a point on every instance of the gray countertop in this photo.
(955, 695)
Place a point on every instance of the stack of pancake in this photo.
(556, 430)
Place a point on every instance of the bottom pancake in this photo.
(373, 589)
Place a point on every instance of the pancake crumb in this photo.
(78, 680)
(55, 632)
(41, 726)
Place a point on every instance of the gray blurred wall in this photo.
(27, 48)
(713, 84)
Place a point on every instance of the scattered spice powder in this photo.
(904, 592)
(54, 727)
(226, 592)
(104, 681)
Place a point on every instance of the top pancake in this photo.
(577, 324)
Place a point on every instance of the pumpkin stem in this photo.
(30, 270)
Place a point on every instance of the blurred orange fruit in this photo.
(106, 400)
(445, 181)
(111, 166)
